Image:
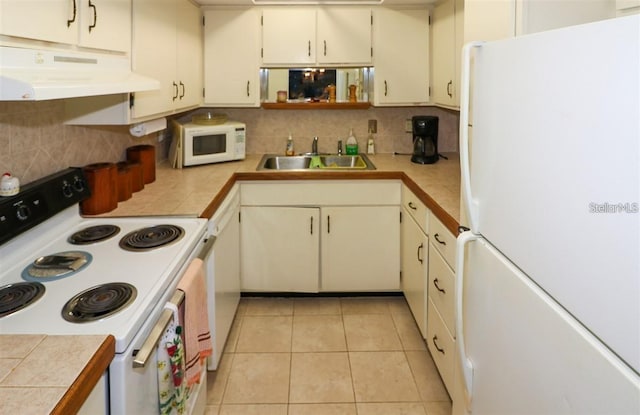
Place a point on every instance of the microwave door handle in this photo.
(150, 344)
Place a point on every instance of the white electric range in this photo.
(53, 257)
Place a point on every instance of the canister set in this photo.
(111, 183)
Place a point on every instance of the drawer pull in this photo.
(419, 251)
(438, 239)
(311, 225)
(436, 344)
(435, 282)
(411, 205)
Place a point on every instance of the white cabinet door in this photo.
(105, 24)
(52, 20)
(154, 54)
(280, 248)
(232, 57)
(163, 49)
(189, 52)
(444, 53)
(344, 35)
(360, 248)
(414, 261)
(288, 35)
(401, 56)
(99, 24)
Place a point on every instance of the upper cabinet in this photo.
(401, 56)
(335, 35)
(99, 24)
(232, 57)
(447, 36)
(167, 46)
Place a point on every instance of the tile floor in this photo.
(326, 356)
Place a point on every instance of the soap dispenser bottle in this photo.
(352, 144)
(289, 151)
(371, 148)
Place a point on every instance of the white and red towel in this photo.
(197, 337)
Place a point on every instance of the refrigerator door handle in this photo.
(465, 363)
(465, 167)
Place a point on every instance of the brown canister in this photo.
(137, 179)
(145, 154)
(124, 181)
(103, 182)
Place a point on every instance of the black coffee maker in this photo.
(425, 139)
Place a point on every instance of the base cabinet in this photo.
(415, 257)
(324, 236)
(280, 248)
(360, 248)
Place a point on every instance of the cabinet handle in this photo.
(435, 282)
(419, 251)
(412, 206)
(325, 47)
(182, 85)
(328, 224)
(385, 88)
(75, 12)
(175, 89)
(311, 225)
(248, 85)
(449, 85)
(95, 16)
(438, 239)
(436, 344)
(309, 48)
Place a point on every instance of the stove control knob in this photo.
(23, 212)
(67, 190)
(78, 184)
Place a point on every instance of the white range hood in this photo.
(34, 75)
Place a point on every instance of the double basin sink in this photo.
(316, 162)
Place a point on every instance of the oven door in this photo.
(208, 146)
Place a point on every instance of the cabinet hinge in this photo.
(131, 100)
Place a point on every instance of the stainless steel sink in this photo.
(319, 162)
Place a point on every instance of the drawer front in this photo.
(416, 209)
(443, 240)
(442, 287)
(441, 345)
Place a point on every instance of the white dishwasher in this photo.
(223, 272)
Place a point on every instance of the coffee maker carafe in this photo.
(425, 139)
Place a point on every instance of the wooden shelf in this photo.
(316, 105)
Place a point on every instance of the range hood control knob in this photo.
(78, 184)
(67, 191)
(23, 212)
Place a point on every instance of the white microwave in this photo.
(195, 144)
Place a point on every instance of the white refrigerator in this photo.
(548, 276)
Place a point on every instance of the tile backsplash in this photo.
(35, 142)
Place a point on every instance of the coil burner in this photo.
(93, 234)
(99, 302)
(146, 239)
(14, 297)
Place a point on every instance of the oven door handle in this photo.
(142, 356)
(208, 246)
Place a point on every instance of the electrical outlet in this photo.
(408, 128)
(373, 126)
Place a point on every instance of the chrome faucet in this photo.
(314, 146)
(339, 147)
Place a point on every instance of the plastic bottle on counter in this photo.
(371, 147)
(290, 151)
(352, 144)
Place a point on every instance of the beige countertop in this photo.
(42, 374)
(197, 190)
